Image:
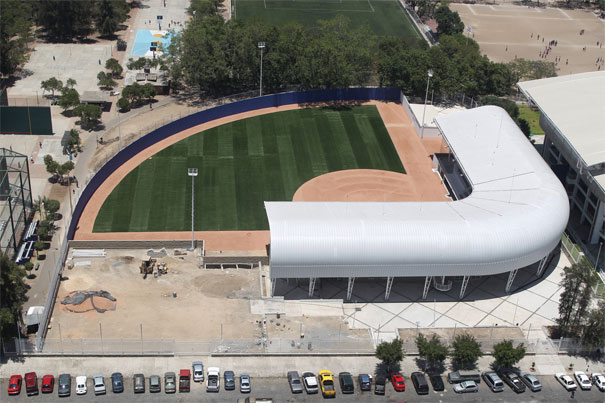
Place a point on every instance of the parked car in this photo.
(244, 383)
(81, 388)
(531, 382)
(566, 381)
(198, 371)
(214, 380)
(326, 381)
(64, 385)
(251, 399)
(582, 380)
(99, 384)
(598, 380)
(365, 382)
(346, 383)
(139, 383)
(169, 382)
(31, 383)
(310, 382)
(464, 375)
(155, 384)
(229, 380)
(513, 380)
(437, 382)
(493, 381)
(380, 385)
(466, 387)
(294, 381)
(185, 381)
(14, 385)
(117, 382)
(420, 383)
(397, 381)
(48, 383)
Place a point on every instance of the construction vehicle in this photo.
(147, 266)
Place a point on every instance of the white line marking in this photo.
(371, 6)
(264, 1)
(471, 9)
(565, 14)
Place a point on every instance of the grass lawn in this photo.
(384, 17)
(241, 165)
(533, 117)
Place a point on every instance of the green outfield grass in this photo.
(384, 17)
(241, 165)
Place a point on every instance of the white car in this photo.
(99, 384)
(583, 380)
(310, 382)
(466, 387)
(566, 381)
(599, 381)
(81, 385)
(244, 383)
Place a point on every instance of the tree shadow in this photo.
(383, 370)
(429, 368)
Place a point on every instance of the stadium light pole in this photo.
(428, 80)
(261, 46)
(193, 173)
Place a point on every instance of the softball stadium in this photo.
(337, 184)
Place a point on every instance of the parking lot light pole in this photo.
(193, 173)
(261, 46)
(428, 80)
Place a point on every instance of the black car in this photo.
(437, 382)
(117, 382)
(513, 380)
(380, 385)
(365, 382)
(420, 383)
(229, 380)
(346, 383)
(64, 385)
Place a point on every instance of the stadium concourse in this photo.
(506, 210)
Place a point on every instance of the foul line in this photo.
(371, 6)
(472, 10)
(565, 14)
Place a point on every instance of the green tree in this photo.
(148, 92)
(432, 350)
(466, 350)
(70, 83)
(69, 99)
(65, 20)
(114, 66)
(15, 27)
(12, 296)
(39, 246)
(506, 355)
(390, 353)
(448, 22)
(52, 85)
(51, 206)
(509, 106)
(593, 335)
(52, 166)
(137, 64)
(577, 283)
(123, 104)
(74, 140)
(43, 234)
(109, 14)
(29, 266)
(65, 169)
(89, 114)
(105, 80)
(201, 8)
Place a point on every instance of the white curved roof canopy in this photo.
(514, 216)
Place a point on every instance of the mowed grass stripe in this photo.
(243, 164)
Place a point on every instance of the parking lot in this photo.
(278, 389)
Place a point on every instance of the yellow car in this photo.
(326, 380)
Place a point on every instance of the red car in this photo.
(14, 385)
(398, 382)
(31, 383)
(48, 383)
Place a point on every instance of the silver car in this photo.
(310, 382)
(198, 371)
(99, 384)
(169, 382)
(155, 384)
(466, 387)
(244, 383)
(493, 381)
(295, 383)
(532, 382)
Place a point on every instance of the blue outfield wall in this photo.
(267, 101)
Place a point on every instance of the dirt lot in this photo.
(205, 300)
(504, 31)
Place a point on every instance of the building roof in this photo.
(575, 104)
(94, 97)
(514, 216)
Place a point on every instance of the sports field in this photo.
(384, 17)
(241, 165)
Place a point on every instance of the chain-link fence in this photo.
(532, 346)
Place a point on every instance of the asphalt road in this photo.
(278, 389)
